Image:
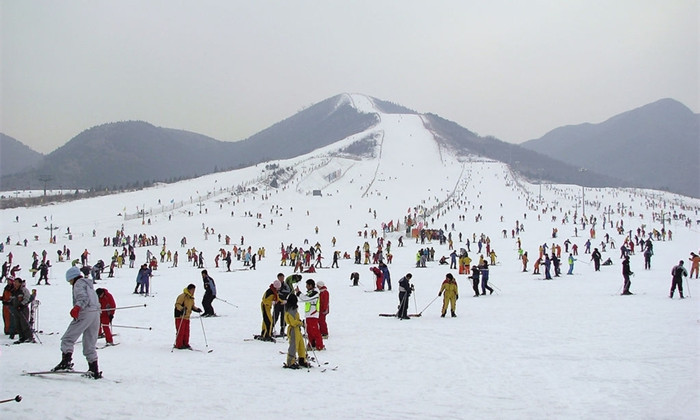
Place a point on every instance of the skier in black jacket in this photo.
(405, 289)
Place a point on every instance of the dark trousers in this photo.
(475, 285)
(403, 304)
(278, 313)
(206, 303)
(677, 283)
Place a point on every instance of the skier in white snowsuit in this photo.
(86, 322)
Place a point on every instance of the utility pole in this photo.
(45, 179)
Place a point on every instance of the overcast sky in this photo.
(228, 69)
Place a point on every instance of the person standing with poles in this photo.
(324, 310)
(209, 294)
(626, 273)
(312, 306)
(107, 305)
(405, 289)
(279, 306)
(475, 280)
(678, 272)
(184, 306)
(296, 340)
(86, 322)
(449, 287)
(268, 300)
(484, 269)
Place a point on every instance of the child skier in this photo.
(296, 340)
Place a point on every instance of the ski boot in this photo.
(65, 364)
(304, 363)
(454, 315)
(93, 370)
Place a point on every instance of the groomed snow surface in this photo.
(571, 347)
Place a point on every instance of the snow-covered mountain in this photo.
(132, 154)
(571, 347)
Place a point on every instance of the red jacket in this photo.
(324, 297)
(107, 302)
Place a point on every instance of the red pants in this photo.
(322, 326)
(105, 328)
(380, 283)
(313, 333)
(182, 326)
(6, 318)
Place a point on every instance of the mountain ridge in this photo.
(132, 154)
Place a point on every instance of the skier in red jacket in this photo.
(106, 314)
(324, 309)
(379, 278)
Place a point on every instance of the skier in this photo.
(209, 294)
(279, 308)
(269, 297)
(485, 278)
(107, 305)
(571, 264)
(449, 286)
(86, 322)
(19, 310)
(405, 289)
(311, 311)
(695, 264)
(184, 306)
(678, 272)
(386, 275)
(475, 280)
(143, 280)
(626, 273)
(379, 279)
(6, 302)
(324, 310)
(648, 252)
(355, 278)
(296, 340)
(596, 257)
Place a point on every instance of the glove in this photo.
(439, 294)
(197, 310)
(111, 317)
(75, 312)
(457, 298)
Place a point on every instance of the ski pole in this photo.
(227, 302)
(125, 307)
(129, 326)
(687, 282)
(18, 398)
(493, 285)
(415, 303)
(121, 307)
(431, 302)
(206, 343)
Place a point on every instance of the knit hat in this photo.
(73, 273)
(320, 283)
(277, 284)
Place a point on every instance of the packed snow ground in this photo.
(567, 348)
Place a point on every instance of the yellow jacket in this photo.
(184, 305)
(449, 288)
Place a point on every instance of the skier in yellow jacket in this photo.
(449, 287)
(296, 340)
(184, 306)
